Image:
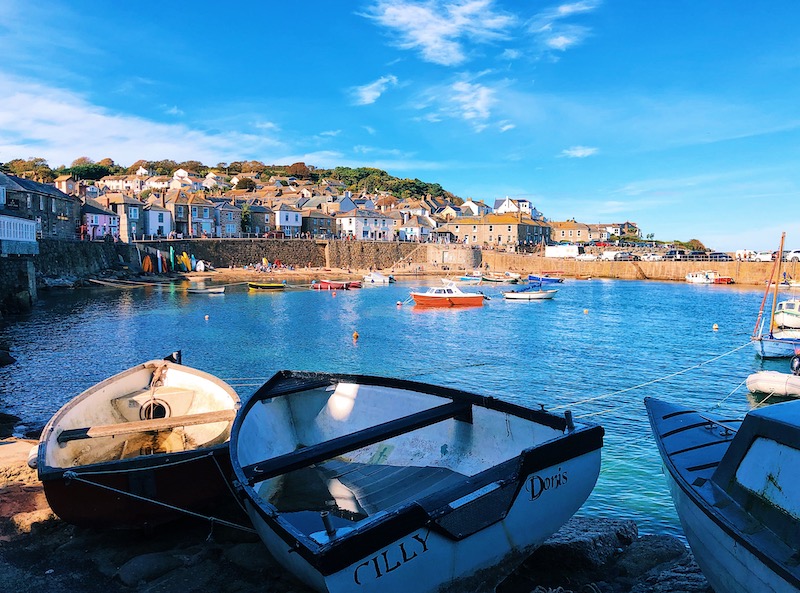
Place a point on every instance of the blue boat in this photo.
(783, 343)
(733, 483)
(545, 278)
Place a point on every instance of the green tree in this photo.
(92, 171)
(246, 183)
(246, 216)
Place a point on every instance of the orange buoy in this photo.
(355, 336)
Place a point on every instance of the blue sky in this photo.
(682, 116)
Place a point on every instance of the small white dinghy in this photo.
(774, 383)
(137, 448)
(380, 485)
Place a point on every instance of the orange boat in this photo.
(447, 296)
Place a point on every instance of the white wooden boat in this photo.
(787, 314)
(206, 290)
(734, 485)
(382, 485)
(529, 293)
(708, 277)
(126, 450)
(378, 278)
(774, 383)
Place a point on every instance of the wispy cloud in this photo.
(438, 29)
(552, 33)
(474, 102)
(369, 93)
(58, 125)
(174, 110)
(578, 152)
(505, 126)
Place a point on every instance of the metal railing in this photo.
(17, 229)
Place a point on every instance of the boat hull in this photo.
(529, 295)
(434, 562)
(545, 279)
(775, 346)
(471, 300)
(774, 383)
(266, 285)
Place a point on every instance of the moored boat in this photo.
(531, 292)
(378, 278)
(134, 449)
(505, 277)
(708, 277)
(266, 285)
(787, 314)
(335, 284)
(370, 484)
(774, 383)
(733, 485)
(546, 278)
(447, 296)
(206, 290)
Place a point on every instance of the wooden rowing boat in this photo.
(266, 285)
(133, 449)
(359, 483)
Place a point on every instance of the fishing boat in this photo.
(381, 485)
(734, 486)
(447, 296)
(136, 449)
(708, 277)
(787, 314)
(546, 278)
(770, 341)
(531, 292)
(206, 290)
(266, 285)
(378, 278)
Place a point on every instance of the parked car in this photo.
(719, 256)
(696, 256)
(626, 256)
(761, 256)
(652, 257)
(675, 254)
(793, 255)
(586, 257)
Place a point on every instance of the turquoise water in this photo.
(598, 349)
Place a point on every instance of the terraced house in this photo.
(503, 231)
(53, 214)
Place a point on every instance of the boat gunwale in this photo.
(382, 530)
(702, 505)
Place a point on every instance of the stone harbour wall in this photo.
(223, 253)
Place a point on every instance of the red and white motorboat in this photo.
(447, 296)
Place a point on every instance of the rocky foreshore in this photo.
(39, 552)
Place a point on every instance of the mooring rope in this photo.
(645, 384)
(71, 475)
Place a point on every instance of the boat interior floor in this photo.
(352, 492)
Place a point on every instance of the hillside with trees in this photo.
(361, 179)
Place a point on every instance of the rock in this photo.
(147, 567)
(7, 421)
(28, 521)
(6, 358)
(682, 577)
(649, 552)
(253, 557)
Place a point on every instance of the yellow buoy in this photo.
(715, 327)
(586, 311)
(355, 336)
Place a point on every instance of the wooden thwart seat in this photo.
(264, 470)
(105, 430)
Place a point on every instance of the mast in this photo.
(760, 318)
(778, 260)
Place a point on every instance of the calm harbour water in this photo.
(593, 349)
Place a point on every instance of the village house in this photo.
(256, 218)
(507, 205)
(318, 224)
(228, 218)
(130, 212)
(570, 231)
(192, 213)
(474, 208)
(288, 220)
(157, 219)
(186, 180)
(364, 225)
(506, 231)
(98, 222)
(416, 228)
(54, 214)
(132, 184)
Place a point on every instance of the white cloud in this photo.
(58, 125)
(174, 110)
(438, 28)
(370, 130)
(369, 93)
(578, 152)
(267, 125)
(474, 100)
(552, 33)
(330, 133)
(505, 126)
(511, 54)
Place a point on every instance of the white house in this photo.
(157, 219)
(508, 205)
(365, 225)
(288, 219)
(474, 208)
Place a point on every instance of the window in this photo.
(297, 218)
(509, 228)
(134, 212)
(491, 227)
(230, 215)
(160, 217)
(2, 195)
(205, 212)
(94, 220)
(28, 201)
(179, 212)
(41, 203)
(52, 203)
(194, 211)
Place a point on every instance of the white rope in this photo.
(675, 374)
(138, 469)
(73, 476)
(735, 389)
